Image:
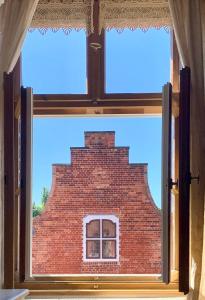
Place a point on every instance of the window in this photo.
(100, 232)
(101, 238)
(97, 247)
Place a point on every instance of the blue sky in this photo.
(56, 63)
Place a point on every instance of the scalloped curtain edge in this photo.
(68, 30)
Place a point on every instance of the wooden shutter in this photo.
(11, 101)
(26, 176)
(9, 188)
(184, 179)
(166, 178)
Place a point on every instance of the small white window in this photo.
(101, 238)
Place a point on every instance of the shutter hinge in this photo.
(197, 178)
(172, 183)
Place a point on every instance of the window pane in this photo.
(55, 63)
(93, 249)
(93, 229)
(136, 61)
(108, 249)
(109, 229)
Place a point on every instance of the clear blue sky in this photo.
(56, 63)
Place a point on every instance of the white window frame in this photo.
(90, 218)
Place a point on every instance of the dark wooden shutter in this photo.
(184, 179)
(166, 179)
(11, 99)
(25, 166)
(9, 188)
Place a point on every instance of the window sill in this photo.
(101, 289)
(100, 260)
(140, 295)
(102, 298)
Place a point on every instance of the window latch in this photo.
(95, 46)
(95, 286)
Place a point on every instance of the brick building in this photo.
(100, 216)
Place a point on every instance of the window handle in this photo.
(95, 46)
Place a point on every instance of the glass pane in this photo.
(109, 229)
(108, 249)
(93, 229)
(93, 249)
(136, 61)
(55, 63)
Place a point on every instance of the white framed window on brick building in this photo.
(100, 238)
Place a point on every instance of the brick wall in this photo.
(98, 181)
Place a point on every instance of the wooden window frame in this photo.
(109, 104)
(101, 218)
(96, 101)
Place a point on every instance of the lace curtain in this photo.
(63, 14)
(119, 14)
(134, 14)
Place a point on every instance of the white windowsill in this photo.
(118, 298)
(12, 294)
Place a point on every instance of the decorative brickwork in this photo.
(98, 181)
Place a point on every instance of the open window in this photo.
(97, 99)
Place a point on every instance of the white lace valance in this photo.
(64, 14)
(119, 14)
(134, 14)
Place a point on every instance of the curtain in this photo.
(118, 14)
(188, 22)
(133, 14)
(15, 18)
(66, 15)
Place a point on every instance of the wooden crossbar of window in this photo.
(148, 103)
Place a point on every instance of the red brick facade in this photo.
(99, 181)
